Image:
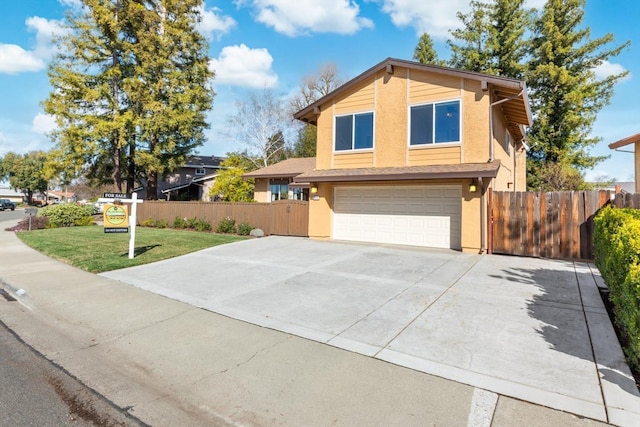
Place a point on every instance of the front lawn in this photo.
(89, 248)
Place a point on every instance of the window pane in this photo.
(344, 132)
(284, 191)
(421, 125)
(275, 192)
(364, 131)
(448, 122)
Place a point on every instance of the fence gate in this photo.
(290, 218)
(550, 225)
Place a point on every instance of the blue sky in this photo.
(256, 44)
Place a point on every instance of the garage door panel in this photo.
(410, 215)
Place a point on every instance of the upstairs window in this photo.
(354, 132)
(200, 171)
(435, 123)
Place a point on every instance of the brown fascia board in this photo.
(404, 176)
(626, 141)
(496, 80)
(271, 175)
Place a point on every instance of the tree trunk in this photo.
(131, 172)
(116, 175)
(152, 174)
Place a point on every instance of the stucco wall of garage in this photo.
(320, 211)
(261, 191)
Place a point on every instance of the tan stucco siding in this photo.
(427, 87)
(475, 123)
(320, 211)
(637, 166)
(353, 160)
(324, 147)
(361, 98)
(521, 169)
(261, 191)
(505, 181)
(320, 216)
(391, 119)
(434, 156)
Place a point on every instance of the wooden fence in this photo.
(550, 225)
(626, 200)
(284, 217)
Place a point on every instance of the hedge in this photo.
(68, 214)
(617, 256)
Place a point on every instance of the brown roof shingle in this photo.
(457, 171)
(286, 169)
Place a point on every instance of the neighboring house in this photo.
(275, 182)
(191, 181)
(13, 195)
(406, 153)
(60, 196)
(635, 140)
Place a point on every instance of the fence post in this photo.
(490, 221)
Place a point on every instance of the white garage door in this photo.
(401, 215)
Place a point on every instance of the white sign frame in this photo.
(132, 218)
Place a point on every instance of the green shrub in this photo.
(149, 222)
(226, 225)
(180, 223)
(84, 221)
(617, 256)
(66, 214)
(244, 229)
(161, 223)
(199, 224)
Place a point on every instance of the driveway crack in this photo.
(249, 359)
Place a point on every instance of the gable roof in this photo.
(285, 169)
(455, 171)
(203, 161)
(633, 139)
(511, 92)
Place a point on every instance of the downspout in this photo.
(493, 104)
(482, 216)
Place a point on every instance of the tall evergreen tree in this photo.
(425, 52)
(470, 45)
(566, 93)
(492, 39)
(131, 88)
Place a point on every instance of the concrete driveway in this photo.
(527, 328)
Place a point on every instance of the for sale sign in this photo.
(115, 219)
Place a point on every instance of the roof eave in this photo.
(496, 80)
(633, 139)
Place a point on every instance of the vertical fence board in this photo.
(550, 225)
(287, 217)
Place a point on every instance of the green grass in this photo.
(89, 248)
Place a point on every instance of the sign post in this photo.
(115, 215)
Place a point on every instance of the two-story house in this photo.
(406, 153)
(192, 180)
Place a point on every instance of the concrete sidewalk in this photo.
(172, 363)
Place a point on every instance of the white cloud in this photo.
(14, 59)
(43, 124)
(607, 69)
(46, 30)
(214, 23)
(309, 16)
(435, 18)
(71, 3)
(243, 66)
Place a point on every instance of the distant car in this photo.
(7, 204)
